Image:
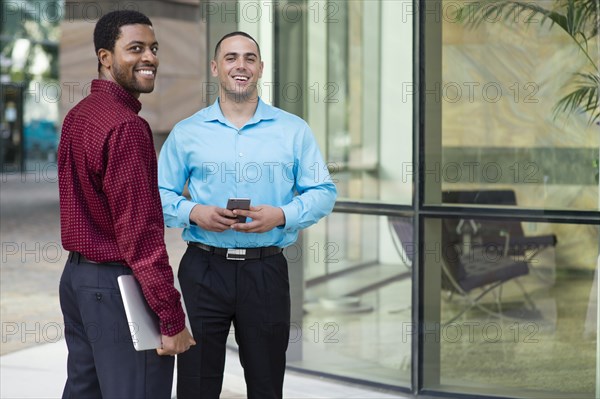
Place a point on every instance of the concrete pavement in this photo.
(33, 352)
(40, 372)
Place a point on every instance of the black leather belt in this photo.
(239, 253)
(76, 257)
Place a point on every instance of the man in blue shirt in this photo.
(240, 147)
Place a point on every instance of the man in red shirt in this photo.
(112, 223)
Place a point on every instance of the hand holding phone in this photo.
(239, 203)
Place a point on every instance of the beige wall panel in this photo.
(182, 47)
(78, 65)
(178, 90)
(177, 98)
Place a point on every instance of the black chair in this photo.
(477, 265)
(464, 273)
(506, 236)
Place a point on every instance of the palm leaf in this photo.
(474, 14)
(573, 16)
(582, 16)
(578, 18)
(583, 99)
(591, 14)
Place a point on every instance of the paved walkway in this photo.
(40, 372)
(33, 353)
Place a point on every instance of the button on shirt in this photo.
(110, 208)
(273, 160)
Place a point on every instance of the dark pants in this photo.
(102, 362)
(255, 296)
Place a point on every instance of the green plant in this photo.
(578, 18)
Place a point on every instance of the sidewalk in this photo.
(40, 372)
(31, 366)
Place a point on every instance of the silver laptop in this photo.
(143, 322)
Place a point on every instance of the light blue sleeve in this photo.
(316, 191)
(173, 173)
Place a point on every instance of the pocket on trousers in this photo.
(103, 315)
(278, 289)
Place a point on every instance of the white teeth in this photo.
(145, 72)
(242, 78)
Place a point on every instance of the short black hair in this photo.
(238, 33)
(108, 28)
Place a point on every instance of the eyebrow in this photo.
(138, 42)
(236, 54)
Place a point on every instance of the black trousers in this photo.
(102, 362)
(254, 295)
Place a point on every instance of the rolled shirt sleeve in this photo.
(316, 191)
(173, 173)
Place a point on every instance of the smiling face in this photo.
(238, 67)
(133, 63)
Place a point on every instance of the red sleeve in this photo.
(131, 186)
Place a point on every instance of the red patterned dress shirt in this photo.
(110, 208)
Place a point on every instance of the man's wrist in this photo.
(192, 222)
(282, 219)
(184, 213)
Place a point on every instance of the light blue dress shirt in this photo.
(273, 160)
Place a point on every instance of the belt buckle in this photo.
(235, 254)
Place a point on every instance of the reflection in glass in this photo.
(29, 51)
(354, 51)
(517, 307)
(357, 302)
(498, 85)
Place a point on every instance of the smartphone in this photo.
(239, 203)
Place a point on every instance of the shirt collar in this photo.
(117, 91)
(263, 112)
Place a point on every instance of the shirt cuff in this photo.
(174, 323)
(290, 211)
(183, 212)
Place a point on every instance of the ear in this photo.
(260, 69)
(105, 57)
(213, 68)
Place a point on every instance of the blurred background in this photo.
(462, 255)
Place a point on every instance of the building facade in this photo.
(442, 136)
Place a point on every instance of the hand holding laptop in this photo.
(176, 344)
(144, 324)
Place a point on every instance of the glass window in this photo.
(491, 140)
(350, 62)
(356, 91)
(356, 319)
(516, 309)
(509, 305)
(29, 65)
(499, 80)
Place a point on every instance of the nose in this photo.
(241, 63)
(149, 56)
